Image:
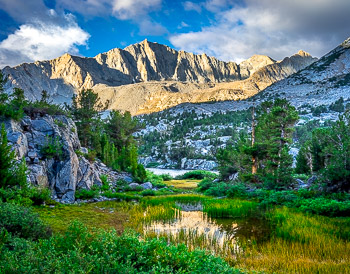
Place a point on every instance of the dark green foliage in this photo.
(140, 173)
(109, 140)
(303, 200)
(274, 130)
(197, 174)
(11, 106)
(85, 110)
(52, 148)
(319, 109)
(148, 192)
(330, 154)
(205, 184)
(303, 133)
(86, 193)
(235, 158)
(78, 251)
(302, 164)
(39, 195)
(166, 177)
(120, 128)
(44, 106)
(22, 222)
(323, 206)
(7, 161)
(338, 105)
(220, 189)
(275, 121)
(105, 183)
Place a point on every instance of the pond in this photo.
(195, 228)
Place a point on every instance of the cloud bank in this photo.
(270, 27)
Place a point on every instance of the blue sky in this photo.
(231, 30)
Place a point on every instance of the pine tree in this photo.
(86, 108)
(303, 162)
(7, 161)
(120, 128)
(274, 131)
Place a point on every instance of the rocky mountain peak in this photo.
(303, 53)
(346, 43)
(255, 63)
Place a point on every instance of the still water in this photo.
(196, 229)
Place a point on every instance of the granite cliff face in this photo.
(62, 175)
(148, 77)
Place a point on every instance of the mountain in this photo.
(323, 82)
(147, 77)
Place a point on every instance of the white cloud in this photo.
(42, 40)
(271, 27)
(183, 25)
(188, 6)
(131, 9)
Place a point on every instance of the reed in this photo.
(229, 208)
(301, 244)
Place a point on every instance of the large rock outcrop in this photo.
(66, 171)
(148, 77)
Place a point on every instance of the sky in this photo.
(231, 30)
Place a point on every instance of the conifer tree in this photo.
(274, 131)
(7, 161)
(86, 107)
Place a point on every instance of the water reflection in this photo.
(196, 229)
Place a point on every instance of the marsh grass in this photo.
(229, 208)
(301, 244)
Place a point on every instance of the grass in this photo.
(229, 208)
(186, 184)
(301, 244)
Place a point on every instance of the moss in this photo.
(94, 215)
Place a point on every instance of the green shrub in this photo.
(39, 196)
(197, 174)
(86, 194)
(323, 206)
(148, 192)
(217, 189)
(22, 222)
(105, 183)
(166, 177)
(52, 148)
(205, 184)
(237, 191)
(121, 196)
